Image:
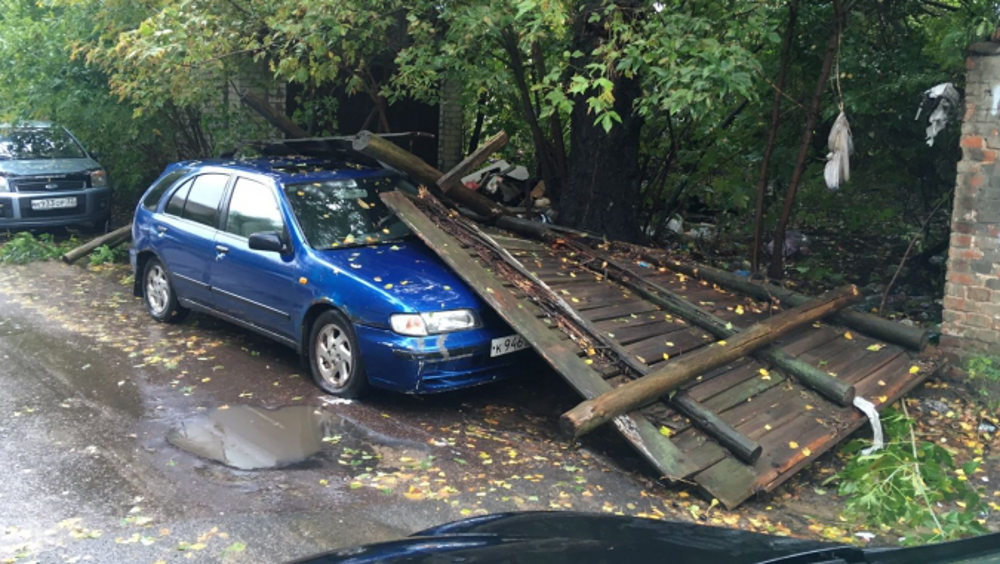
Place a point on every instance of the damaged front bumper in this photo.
(438, 363)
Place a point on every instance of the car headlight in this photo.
(98, 178)
(423, 324)
(4, 186)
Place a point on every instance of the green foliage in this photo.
(984, 376)
(23, 247)
(105, 254)
(911, 489)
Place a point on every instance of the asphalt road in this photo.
(92, 387)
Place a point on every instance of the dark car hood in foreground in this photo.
(579, 538)
(46, 167)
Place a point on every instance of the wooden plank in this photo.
(722, 378)
(646, 438)
(651, 350)
(729, 480)
(743, 391)
(642, 328)
(623, 309)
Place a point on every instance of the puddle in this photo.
(254, 438)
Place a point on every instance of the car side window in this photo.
(203, 200)
(176, 203)
(153, 196)
(252, 209)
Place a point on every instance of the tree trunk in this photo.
(772, 134)
(602, 188)
(777, 268)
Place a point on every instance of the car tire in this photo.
(158, 294)
(334, 358)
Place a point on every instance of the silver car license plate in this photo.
(53, 203)
(506, 345)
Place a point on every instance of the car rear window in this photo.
(156, 192)
(203, 200)
(346, 212)
(23, 143)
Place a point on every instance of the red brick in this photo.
(953, 304)
(963, 227)
(978, 295)
(960, 240)
(959, 278)
(989, 156)
(994, 230)
(977, 320)
(976, 181)
(970, 254)
(972, 142)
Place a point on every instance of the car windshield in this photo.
(346, 212)
(38, 143)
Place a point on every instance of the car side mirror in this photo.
(268, 241)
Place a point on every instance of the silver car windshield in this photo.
(22, 143)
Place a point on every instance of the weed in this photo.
(105, 254)
(910, 487)
(984, 377)
(23, 247)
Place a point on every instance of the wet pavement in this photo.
(130, 440)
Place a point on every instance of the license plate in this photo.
(53, 203)
(506, 345)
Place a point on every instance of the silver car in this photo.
(47, 179)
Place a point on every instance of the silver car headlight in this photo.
(423, 324)
(4, 185)
(98, 178)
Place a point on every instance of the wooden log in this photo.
(112, 239)
(592, 413)
(367, 143)
(453, 177)
(745, 448)
(911, 337)
(829, 386)
(273, 116)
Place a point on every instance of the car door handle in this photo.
(161, 229)
(220, 251)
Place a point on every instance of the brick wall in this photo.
(971, 318)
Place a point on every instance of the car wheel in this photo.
(334, 358)
(161, 301)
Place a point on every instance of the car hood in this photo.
(406, 273)
(46, 167)
(581, 538)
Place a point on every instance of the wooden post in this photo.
(911, 337)
(367, 143)
(453, 177)
(113, 239)
(274, 117)
(592, 413)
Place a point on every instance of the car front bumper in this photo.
(92, 205)
(438, 363)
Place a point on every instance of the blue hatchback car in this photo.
(303, 250)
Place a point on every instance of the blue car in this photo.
(303, 250)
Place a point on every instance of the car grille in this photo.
(46, 184)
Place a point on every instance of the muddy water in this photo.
(252, 438)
